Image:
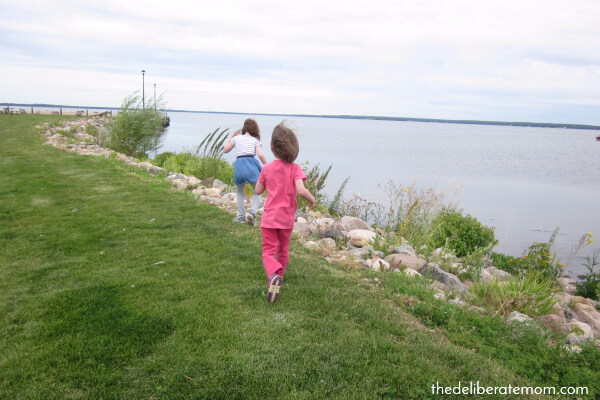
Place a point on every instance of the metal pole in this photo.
(143, 90)
(155, 97)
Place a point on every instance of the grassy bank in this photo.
(112, 285)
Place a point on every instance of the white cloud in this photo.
(459, 59)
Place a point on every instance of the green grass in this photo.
(115, 286)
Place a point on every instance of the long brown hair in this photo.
(284, 143)
(251, 127)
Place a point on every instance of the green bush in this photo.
(200, 167)
(463, 234)
(538, 258)
(589, 286)
(159, 159)
(315, 182)
(530, 294)
(177, 162)
(136, 130)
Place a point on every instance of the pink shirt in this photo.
(279, 178)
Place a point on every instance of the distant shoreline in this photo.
(364, 117)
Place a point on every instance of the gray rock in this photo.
(361, 237)
(380, 265)
(570, 314)
(333, 234)
(302, 228)
(154, 170)
(301, 214)
(352, 223)
(499, 274)
(457, 302)
(406, 260)
(410, 272)
(450, 281)
(516, 316)
(360, 252)
(404, 249)
(176, 176)
(576, 340)
(219, 184)
(322, 224)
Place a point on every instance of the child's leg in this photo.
(283, 251)
(255, 200)
(241, 208)
(270, 247)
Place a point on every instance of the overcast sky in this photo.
(506, 60)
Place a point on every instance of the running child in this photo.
(283, 180)
(246, 168)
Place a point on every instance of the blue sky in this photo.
(463, 59)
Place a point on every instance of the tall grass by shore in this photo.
(114, 286)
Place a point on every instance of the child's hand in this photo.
(311, 205)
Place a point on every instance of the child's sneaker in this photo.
(241, 220)
(275, 282)
(250, 218)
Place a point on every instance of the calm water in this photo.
(523, 181)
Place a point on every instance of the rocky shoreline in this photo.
(349, 242)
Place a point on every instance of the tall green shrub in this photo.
(136, 130)
(200, 167)
(463, 234)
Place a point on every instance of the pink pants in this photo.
(275, 250)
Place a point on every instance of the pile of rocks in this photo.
(351, 241)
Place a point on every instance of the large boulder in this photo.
(451, 282)
(321, 224)
(361, 237)
(352, 223)
(219, 184)
(555, 322)
(302, 228)
(380, 265)
(180, 184)
(499, 274)
(333, 234)
(214, 192)
(404, 249)
(193, 181)
(176, 176)
(398, 260)
(588, 314)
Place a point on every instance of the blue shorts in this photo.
(246, 170)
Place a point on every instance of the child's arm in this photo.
(304, 193)
(259, 188)
(228, 144)
(260, 154)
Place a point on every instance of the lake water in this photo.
(523, 181)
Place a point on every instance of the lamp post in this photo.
(155, 97)
(143, 90)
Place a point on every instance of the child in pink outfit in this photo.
(283, 180)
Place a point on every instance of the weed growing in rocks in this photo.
(590, 283)
(530, 294)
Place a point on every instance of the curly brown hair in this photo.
(251, 127)
(284, 143)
